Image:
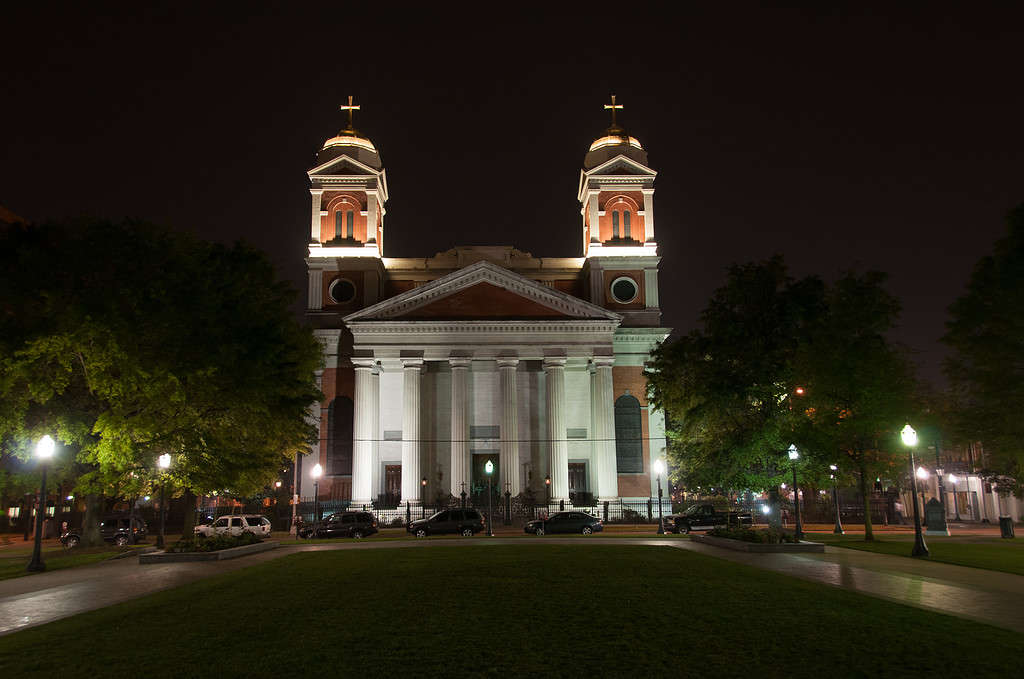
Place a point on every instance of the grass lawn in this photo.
(55, 559)
(995, 554)
(547, 610)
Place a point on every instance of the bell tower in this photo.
(348, 189)
(616, 195)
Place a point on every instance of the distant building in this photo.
(437, 365)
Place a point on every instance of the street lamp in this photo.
(798, 532)
(423, 497)
(922, 474)
(547, 490)
(44, 451)
(838, 530)
(316, 473)
(909, 437)
(489, 469)
(659, 469)
(164, 462)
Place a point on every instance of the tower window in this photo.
(624, 290)
(629, 451)
(615, 224)
(337, 223)
(625, 223)
(342, 291)
(349, 220)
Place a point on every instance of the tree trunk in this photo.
(91, 522)
(189, 521)
(869, 535)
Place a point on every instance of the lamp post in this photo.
(489, 468)
(508, 503)
(909, 437)
(44, 451)
(463, 494)
(164, 461)
(316, 473)
(838, 530)
(423, 497)
(547, 491)
(954, 479)
(659, 469)
(798, 532)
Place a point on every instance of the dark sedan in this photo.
(466, 522)
(343, 525)
(566, 522)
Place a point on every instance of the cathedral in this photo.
(434, 366)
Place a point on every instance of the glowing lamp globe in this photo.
(489, 467)
(659, 466)
(909, 436)
(317, 471)
(164, 461)
(953, 478)
(793, 452)
(922, 473)
(45, 448)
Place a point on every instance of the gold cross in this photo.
(613, 106)
(351, 108)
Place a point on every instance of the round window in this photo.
(342, 291)
(624, 290)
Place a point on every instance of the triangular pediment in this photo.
(343, 166)
(621, 165)
(483, 291)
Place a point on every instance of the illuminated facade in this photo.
(435, 365)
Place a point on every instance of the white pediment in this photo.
(621, 165)
(482, 273)
(343, 166)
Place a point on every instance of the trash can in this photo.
(1006, 526)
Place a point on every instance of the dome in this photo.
(350, 143)
(615, 142)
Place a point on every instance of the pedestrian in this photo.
(898, 508)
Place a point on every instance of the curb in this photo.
(221, 555)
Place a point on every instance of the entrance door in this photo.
(392, 484)
(479, 478)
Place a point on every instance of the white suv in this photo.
(236, 525)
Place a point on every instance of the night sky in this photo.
(840, 139)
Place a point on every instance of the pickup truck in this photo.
(705, 517)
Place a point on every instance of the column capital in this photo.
(603, 361)
(461, 362)
(412, 363)
(363, 363)
(316, 192)
(507, 362)
(554, 362)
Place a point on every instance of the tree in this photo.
(860, 388)
(130, 341)
(985, 331)
(728, 386)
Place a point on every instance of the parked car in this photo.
(342, 525)
(565, 522)
(236, 525)
(705, 517)
(119, 530)
(460, 521)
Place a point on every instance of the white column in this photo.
(376, 482)
(509, 458)
(362, 432)
(411, 368)
(460, 425)
(554, 371)
(314, 230)
(371, 216)
(316, 289)
(649, 215)
(595, 224)
(604, 429)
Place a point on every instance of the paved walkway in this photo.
(987, 596)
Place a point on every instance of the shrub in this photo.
(214, 543)
(765, 537)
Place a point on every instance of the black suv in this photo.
(120, 530)
(463, 521)
(342, 525)
(565, 522)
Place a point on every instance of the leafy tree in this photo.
(727, 386)
(986, 370)
(859, 388)
(130, 341)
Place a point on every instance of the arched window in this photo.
(625, 224)
(615, 224)
(349, 221)
(337, 223)
(629, 450)
(339, 436)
